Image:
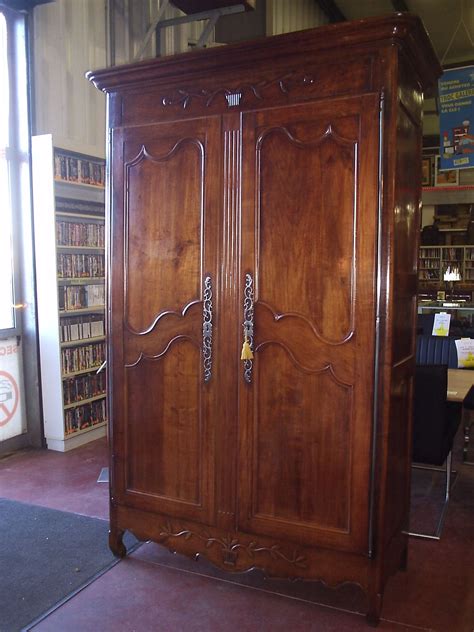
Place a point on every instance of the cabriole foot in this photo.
(116, 544)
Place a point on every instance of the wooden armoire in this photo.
(268, 192)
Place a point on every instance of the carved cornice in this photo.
(231, 547)
(235, 95)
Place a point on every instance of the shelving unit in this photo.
(429, 267)
(70, 267)
(448, 195)
(434, 260)
(452, 207)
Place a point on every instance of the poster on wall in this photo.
(465, 349)
(12, 420)
(441, 324)
(456, 118)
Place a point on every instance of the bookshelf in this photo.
(433, 261)
(68, 195)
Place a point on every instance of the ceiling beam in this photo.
(332, 11)
(400, 5)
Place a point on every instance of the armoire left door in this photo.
(162, 309)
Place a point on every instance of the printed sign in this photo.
(441, 324)
(465, 349)
(11, 396)
(456, 118)
(8, 397)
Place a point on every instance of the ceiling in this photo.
(450, 23)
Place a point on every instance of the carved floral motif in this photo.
(284, 84)
(231, 546)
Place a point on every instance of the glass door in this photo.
(18, 356)
(7, 311)
(12, 422)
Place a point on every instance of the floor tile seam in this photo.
(410, 625)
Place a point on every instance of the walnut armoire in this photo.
(268, 192)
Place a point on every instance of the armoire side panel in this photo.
(404, 303)
(406, 229)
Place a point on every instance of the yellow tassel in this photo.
(246, 351)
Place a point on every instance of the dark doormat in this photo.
(46, 556)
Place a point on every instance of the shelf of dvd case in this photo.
(81, 249)
(85, 416)
(90, 369)
(81, 402)
(69, 207)
(82, 357)
(81, 341)
(78, 329)
(74, 216)
(72, 297)
(82, 310)
(98, 424)
(74, 233)
(79, 169)
(82, 185)
(80, 389)
(80, 265)
(80, 280)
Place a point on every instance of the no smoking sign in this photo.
(9, 397)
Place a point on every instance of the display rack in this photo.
(463, 194)
(68, 196)
(434, 260)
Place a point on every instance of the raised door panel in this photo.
(162, 353)
(309, 217)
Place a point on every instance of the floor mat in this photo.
(45, 556)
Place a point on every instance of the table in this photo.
(459, 382)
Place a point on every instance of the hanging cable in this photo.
(460, 24)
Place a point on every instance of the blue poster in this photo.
(456, 118)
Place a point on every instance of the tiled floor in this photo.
(59, 480)
(154, 590)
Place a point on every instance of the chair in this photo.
(436, 350)
(435, 422)
(468, 422)
(424, 324)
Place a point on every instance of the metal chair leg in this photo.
(467, 423)
(447, 491)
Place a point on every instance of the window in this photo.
(16, 269)
(7, 312)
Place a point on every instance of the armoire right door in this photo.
(309, 274)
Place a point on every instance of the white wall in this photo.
(69, 40)
(284, 16)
